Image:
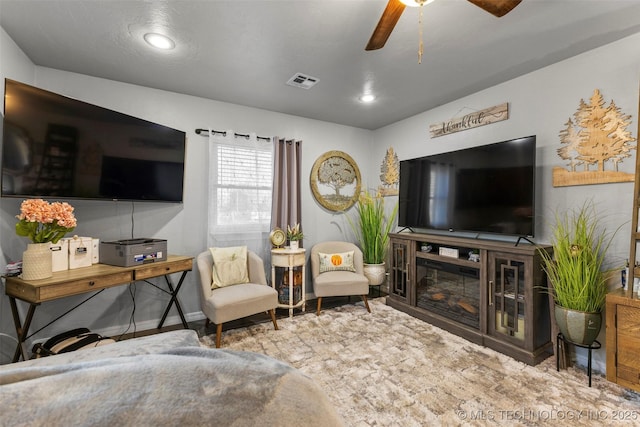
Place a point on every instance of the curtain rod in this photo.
(204, 132)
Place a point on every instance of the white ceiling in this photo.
(244, 51)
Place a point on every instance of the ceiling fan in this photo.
(394, 10)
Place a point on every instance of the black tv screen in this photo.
(484, 189)
(55, 146)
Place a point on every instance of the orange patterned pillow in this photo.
(338, 261)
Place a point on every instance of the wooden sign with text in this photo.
(471, 120)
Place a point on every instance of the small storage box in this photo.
(79, 252)
(95, 251)
(60, 255)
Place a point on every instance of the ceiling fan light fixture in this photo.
(367, 98)
(159, 41)
(416, 3)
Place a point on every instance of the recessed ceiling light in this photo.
(367, 98)
(159, 41)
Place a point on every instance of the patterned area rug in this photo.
(390, 369)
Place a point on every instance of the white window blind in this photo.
(240, 185)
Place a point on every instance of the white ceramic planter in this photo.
(376, 273)
(37, 262)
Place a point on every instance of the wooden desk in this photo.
(96, 278)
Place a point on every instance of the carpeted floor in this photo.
(390, 369)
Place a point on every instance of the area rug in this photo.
(390, 369)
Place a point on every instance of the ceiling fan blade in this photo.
(496, 7)
(388, 20)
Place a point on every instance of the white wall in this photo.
(183, 225)
(540, 103)
(13, 64)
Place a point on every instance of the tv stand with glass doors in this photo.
(492, 293)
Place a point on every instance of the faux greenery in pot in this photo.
(294, 233)
(576, 270)
(371, 227)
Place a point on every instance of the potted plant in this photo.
(294, 235)
(576, 273)
(371, 228)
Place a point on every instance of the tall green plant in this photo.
(576, 266)
(371, 227)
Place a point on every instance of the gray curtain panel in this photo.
(286, 208)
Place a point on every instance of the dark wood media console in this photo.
(499, 301)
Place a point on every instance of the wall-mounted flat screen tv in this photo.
(56, 146)
(484, 189)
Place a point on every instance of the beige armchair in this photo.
(236, 301)
(338, 283)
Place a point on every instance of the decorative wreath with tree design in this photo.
(335, 181)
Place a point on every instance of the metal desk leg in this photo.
(21, 330)
(174, 299)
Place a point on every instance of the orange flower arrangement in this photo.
(44, 222)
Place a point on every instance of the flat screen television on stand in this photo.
(485, 189)
(55, 146)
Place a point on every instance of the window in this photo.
(240, 185)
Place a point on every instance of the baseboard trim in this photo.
(151, 324)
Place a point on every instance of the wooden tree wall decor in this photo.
(335, 181)
(595, 142)
(389, 174)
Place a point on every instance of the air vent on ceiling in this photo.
(302, 81)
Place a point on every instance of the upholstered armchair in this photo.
(337, 270)
(223, 304)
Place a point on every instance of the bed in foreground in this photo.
(180, 385)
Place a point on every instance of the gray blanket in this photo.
(181, 387)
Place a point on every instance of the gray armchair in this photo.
(338, 283)
(236, 301)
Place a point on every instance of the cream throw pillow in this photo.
(337, 261)
(229, 266)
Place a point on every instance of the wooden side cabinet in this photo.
(623, 339)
